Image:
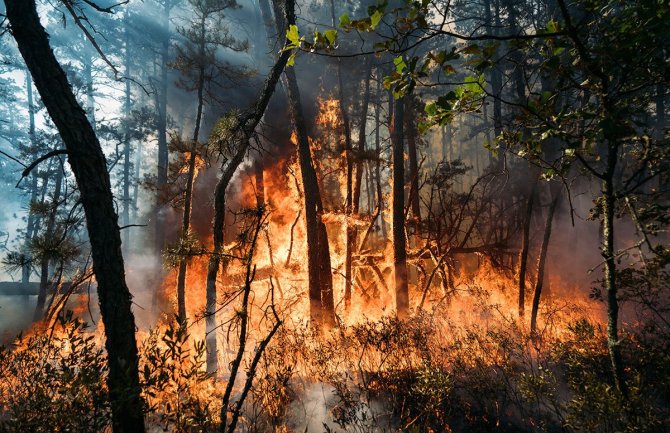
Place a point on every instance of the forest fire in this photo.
(369, 217)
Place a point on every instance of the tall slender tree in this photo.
(90, 169)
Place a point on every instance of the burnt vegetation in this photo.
(322, 216)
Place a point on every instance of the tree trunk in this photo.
(318, 256)
(46, 258)
(188, 195)
(90, 97)
(378, 154)
(412, 133)
(350, 240)
(555, 193)
(608, 253)
(90, 169)
(399, 241)
(247, 123)
(161, 107)
(525, 244)
(30, 226)
(495, 78)
(125, 220)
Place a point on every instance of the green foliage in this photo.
(187, 247)
(180, 395)
(294, 42)
(54, 382)
(466, 97)
(222, 138)
(595, 404)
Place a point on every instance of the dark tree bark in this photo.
(378, 153)
(611, 146)
(555, 193)
(492, 22)
(412, 134)
(90, 170)
(398, 219)
(352, 231)
(246, 124)
(321, 301)
(162, 166)
(608, 252)
(30, 226)
(188, 194)
(46, 258)
(320, 278)
(90, 97)
(125, 220)
(525, 244)
(350, 239)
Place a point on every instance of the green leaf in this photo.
(400, 64)
(331, 36)
(552, 26)
(292, 35)
(345, 21)
(375, 18)
(291, 59)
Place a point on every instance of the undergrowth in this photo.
(423, 374)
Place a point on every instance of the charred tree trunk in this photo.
(215, 259)
(350, 240)
(399, 241)
(362, 138)
(162, 166)
(318, 255)
(555, 198)
(247, 123)
(412, 134)
(495, 78)
(525, 245)
(188, 194)
(90, 169)
(378, 153)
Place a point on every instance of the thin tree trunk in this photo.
(90, 169)
(525, 244)
(46, 259)
(30, 227)
(90, 97)
(410, 122)
(125, 219)
(246, 125)
(163, 157)
(608, 253)
(188, 195)
(399, 242)
(350, 240)
(162, 166)
(495, 78)
(378, 154)
(352, 232)
(318, 256)
(555, 197)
